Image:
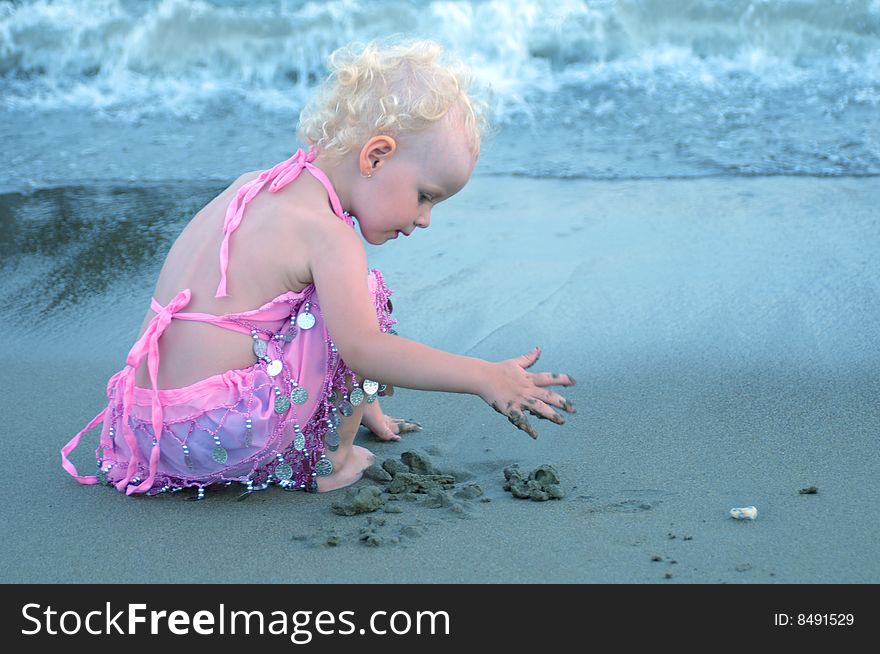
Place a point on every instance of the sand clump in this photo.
(414, 474)
(410, 482)
(411, 478)
(362, 500)
(394, 466)
(809, 490)
(418, 462)
(377, 473)
(540, 485)
(469, 492)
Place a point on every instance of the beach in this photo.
(722, 331)
(677, 201)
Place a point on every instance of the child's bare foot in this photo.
(358, 460)
(385, 427)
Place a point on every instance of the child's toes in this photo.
(385, 431)
(405, 426)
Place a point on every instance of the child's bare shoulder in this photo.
(305, 231)
(322, 234)
(304, 210)
(220, 201)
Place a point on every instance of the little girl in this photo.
(216, 390)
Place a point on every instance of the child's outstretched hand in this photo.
(385, 427)
(514, 392)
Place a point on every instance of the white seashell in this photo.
(744, 513)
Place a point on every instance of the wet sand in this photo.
(723, 333)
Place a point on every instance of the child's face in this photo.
(423, 169)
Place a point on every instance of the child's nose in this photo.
(424, 218)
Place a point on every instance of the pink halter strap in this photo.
(280, 176)
(147, 346)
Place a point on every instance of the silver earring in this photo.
(368, 175)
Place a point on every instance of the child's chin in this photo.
(373, 240)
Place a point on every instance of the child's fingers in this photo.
(528, 360)
(518, 419)
(552, 379)
(543, 411)
(555, 399)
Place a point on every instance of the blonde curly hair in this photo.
(388, 89)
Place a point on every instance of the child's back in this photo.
(267, 258)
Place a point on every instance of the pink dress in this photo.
(269, 423)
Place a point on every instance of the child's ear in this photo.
(375, 152)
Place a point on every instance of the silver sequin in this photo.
(274, 368)
(299, 442)
(370, 387)
(324, 467)
(331, 438)
(282, 403)
(219, 454)
(260, 347)
(371, 399)
(299, 395)
(305, 320)
(284, 472)
(356, 397)
(346, 408)
(248, 437)
(335, 419)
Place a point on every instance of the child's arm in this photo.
(339, 271)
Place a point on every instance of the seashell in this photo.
(744, 513)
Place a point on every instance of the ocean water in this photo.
(120, 118)
(147, 90)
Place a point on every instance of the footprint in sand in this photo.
(633, 501)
